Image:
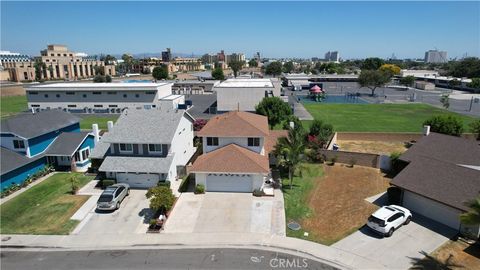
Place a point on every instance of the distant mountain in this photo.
(158, 55)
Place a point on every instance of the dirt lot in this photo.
(373, 147)
(338, 201)
(12, 90)
(464, 255)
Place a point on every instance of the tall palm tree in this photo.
(289, 150)
(472, 217)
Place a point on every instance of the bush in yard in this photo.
(475, 128)
(74, 183)
(107, 182)
(275, 109)
(161, 198)
(163, 184)
(199, 189)
(445, 124)
(320, 132)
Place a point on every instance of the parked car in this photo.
(112, 196)
(389, 218)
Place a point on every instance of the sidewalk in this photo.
(329, 255)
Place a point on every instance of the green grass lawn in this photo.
(45, 208)
(12, 105)
(378, 117)
(296, 205)
(87, 121)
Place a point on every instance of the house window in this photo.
(77, 156)
(137, 95)
(71, 106)
(212, 141)
(97, 93)
(18, 144)
(157, 148)
(98, 106)
(35, 106)
(111, 93)
(253, 141)
(125, 147)
(57, 95)
(112, 106)
(124, 95)
(32, 92)
(84, 95)
(46, 95)
(70, 93)
(85, 154)
(150, 93)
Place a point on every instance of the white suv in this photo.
(389, 218)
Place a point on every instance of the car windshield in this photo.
(105, 198)
(376, 220)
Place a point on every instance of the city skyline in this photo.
(276, 29)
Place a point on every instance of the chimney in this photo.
(95, 132)
(110, 126)
(426, 130)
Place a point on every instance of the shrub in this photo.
(445, 124)
(199, 189)
(153, 222)
(258, 193)
(163, 184)
(75, 183)
(333, 160)
(107, 182)
(161, 198)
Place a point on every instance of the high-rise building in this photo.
(333, 56)
(221, 56)
(436, 56)
(167, 55)
(239, 57)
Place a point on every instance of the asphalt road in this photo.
(156, 259)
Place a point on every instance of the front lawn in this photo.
(378, 117)
(463, 255)
(45, 208)
(87, 121)
(329, 201)
(12, 105)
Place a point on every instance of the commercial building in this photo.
(100, 97)
(188, 87)
(167, 55)
(333, 56)
(435, 56)
(221, 57)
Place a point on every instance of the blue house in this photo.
(30, 141)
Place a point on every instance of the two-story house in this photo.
(30, 141)
(234, 157)
(147, 146)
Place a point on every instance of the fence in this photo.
(362, 159)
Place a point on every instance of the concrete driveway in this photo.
(217, 212)
(395, 252)
(132, 217)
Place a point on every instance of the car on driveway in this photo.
(389, 218)
(112, 196)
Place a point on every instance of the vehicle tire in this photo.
(118, 205)
(407, 221)
(389, 233)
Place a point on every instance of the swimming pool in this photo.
(137, 81)
(334, 99)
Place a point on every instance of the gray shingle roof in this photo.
(145, 126)
(29, 125)
(136, 164)
(11, 160)
(66, 144)
(101, 149)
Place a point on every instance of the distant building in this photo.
(167, 55)
(332, 56)
(235, 57)
(435, 56)
(221, 56)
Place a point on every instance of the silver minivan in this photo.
(112, 196)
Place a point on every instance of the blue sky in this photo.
(276, 29)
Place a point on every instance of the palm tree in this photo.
(472, 217)
(289, 150)
(430, 262)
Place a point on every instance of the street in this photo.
(157, 259)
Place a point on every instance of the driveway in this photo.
(395, 252)
(216, 212)
(132, 217)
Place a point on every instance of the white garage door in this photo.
(141, 180)
(229, 183)
(431, 209)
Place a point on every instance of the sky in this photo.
(275, 29)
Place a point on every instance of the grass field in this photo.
(12, 105)
(87, 121)
(43, 209)
(378, 117)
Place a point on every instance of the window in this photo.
(46, 95)
(212, 141)
(70, 93)
(84, 95)
(137, 95)
(32, 92)
(155, 148)
(253, 141)
(85, 154)
(97, 93)
(57, 95)
(124, 147)
(98, 106)
(18, 144)
(112, 106)
(111, 93)
(77, 156)
(71, 106)
(150, 93)
(124, 95)
(35, 106)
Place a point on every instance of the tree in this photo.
(445, 124)
(320, 132)
(99, 70)
(236, 66)
(275, 109)
(74, 183)
(407, 81)
(472, 217)
(108, 59)
(160, 72)
(445, 100)
(40, 68)
(108, 78)
(99, 79)
(288, 67)
(373, 79)
(453, 83)
(475, 128)
(430, 262)
(217, 74)
(392, 69)
(274, 69)
(475, 84)
(128, 61)
(161, 198)
(297, 124)
(253, 63)
(372, 63)
(468, 67)
(289, 151)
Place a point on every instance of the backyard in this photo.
(329, 201)
(45, 208)
(378, 117)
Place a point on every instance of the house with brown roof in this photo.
(235, 158)
(442, 173)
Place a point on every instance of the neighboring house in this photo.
(235, 153)
(442, 173)
(30, 141)
(146, 146)
(244, 94)
(102, 97)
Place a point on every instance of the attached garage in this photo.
(229, 182)
(432, 209)
(138, 180)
